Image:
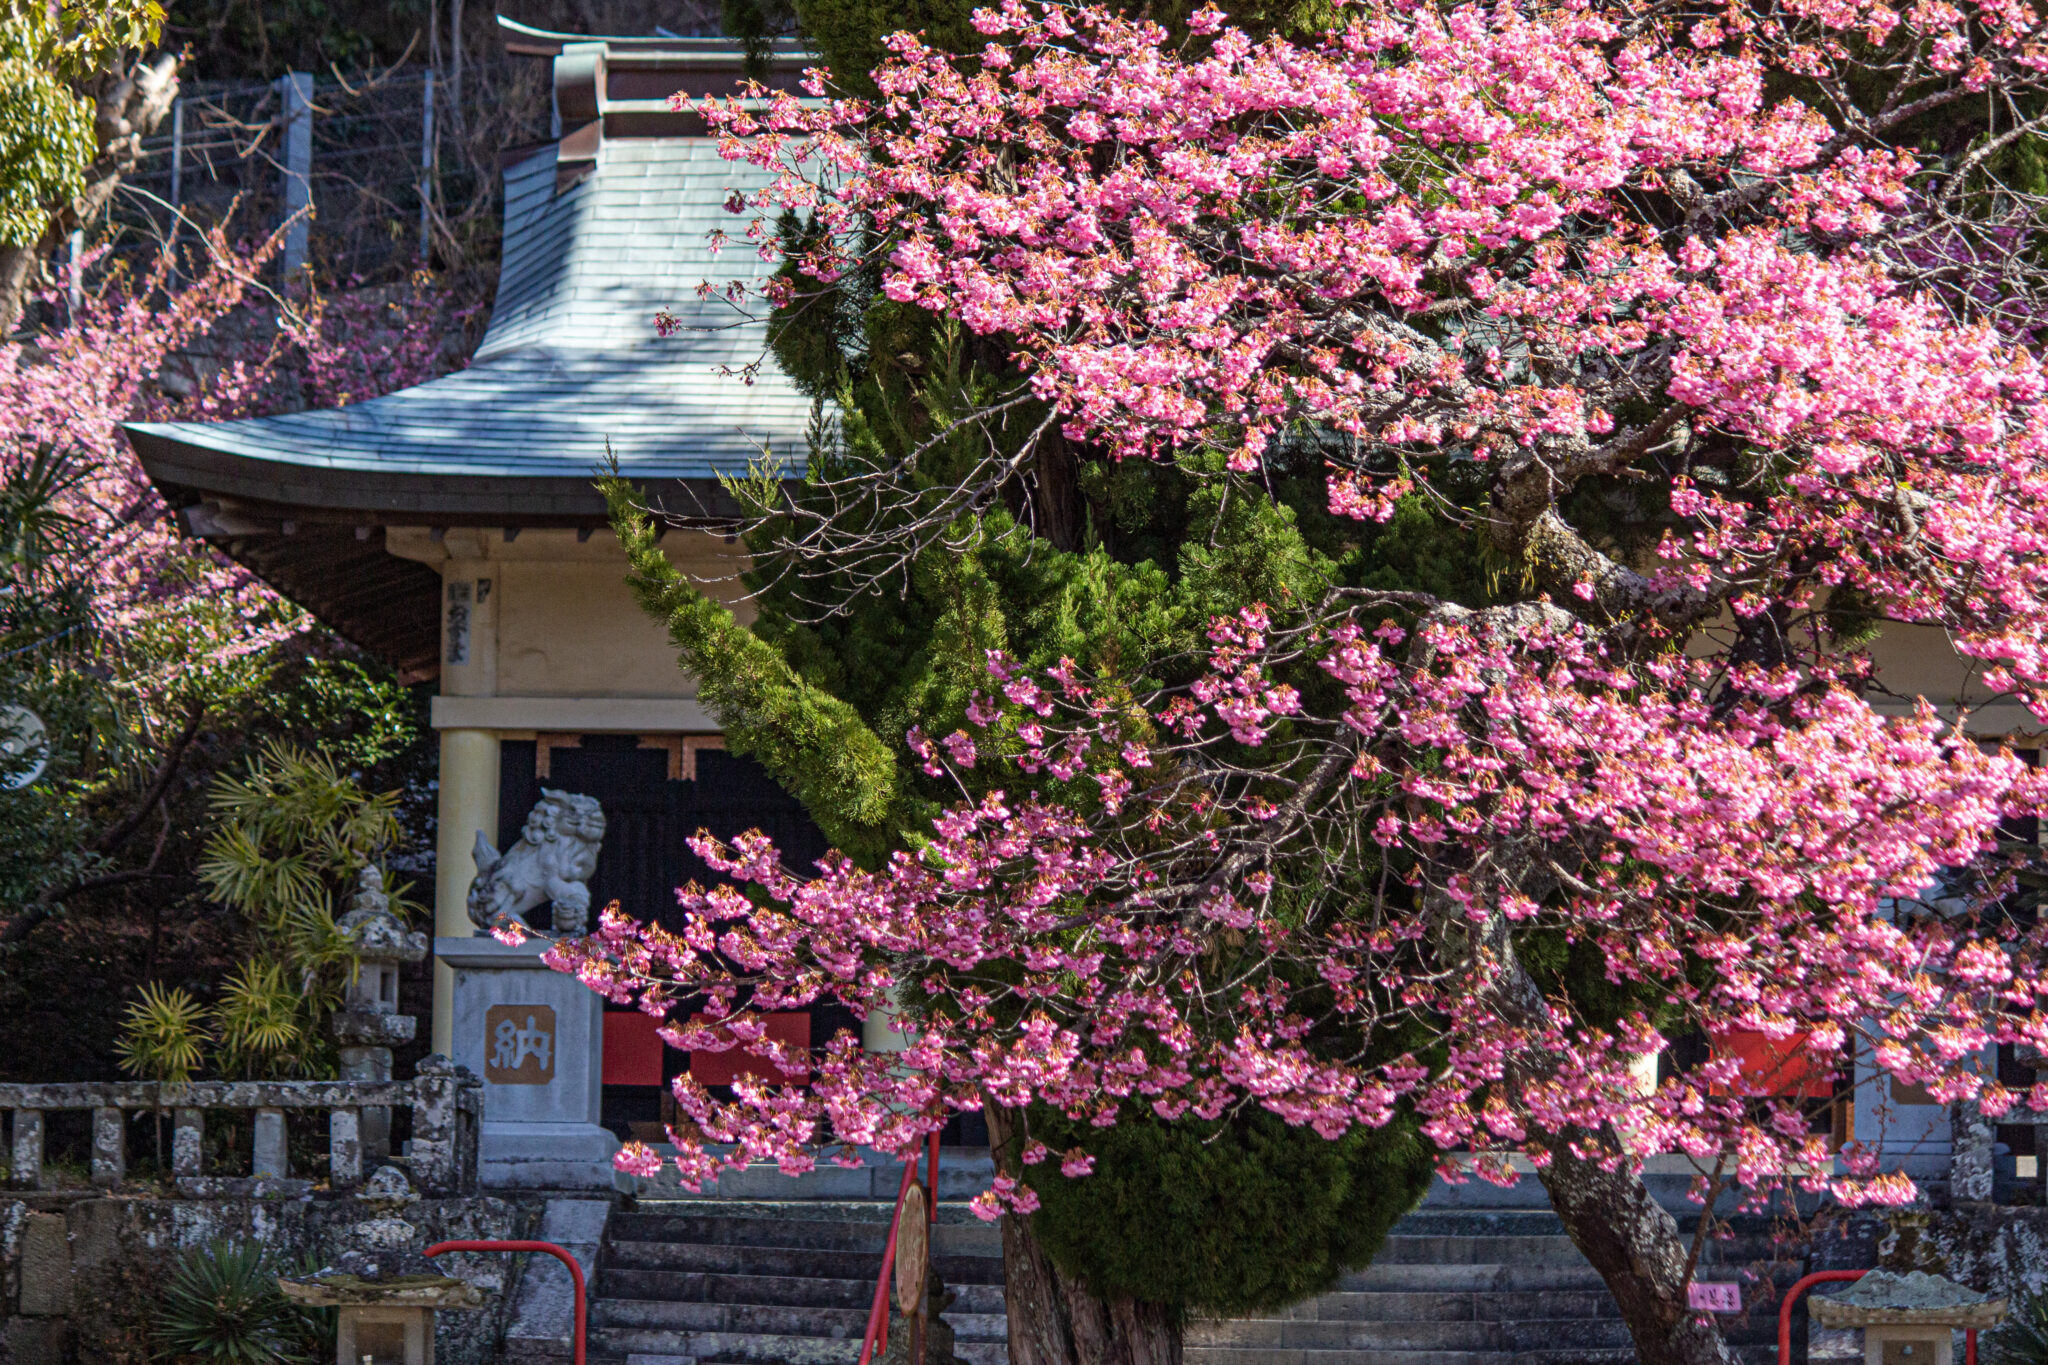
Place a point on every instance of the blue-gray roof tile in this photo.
(571, 359)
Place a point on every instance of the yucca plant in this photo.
(164, 1036)
(2022, 1339)
(223, 1306)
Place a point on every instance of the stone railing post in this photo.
(344, 1147)
(1970, 1144)
(25, 1169)
(443, 1144)
(109, 1147)
(271, 1160)
(188, 1141)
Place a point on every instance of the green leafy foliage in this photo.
(2022, 1339)
(1234, 1218)
(164, 1038)
(292, 833)
(46, 126)
(222, 1306)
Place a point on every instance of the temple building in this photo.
(453, 530)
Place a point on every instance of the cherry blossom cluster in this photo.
(1099, 954)
(148, 349)
(1511, 264)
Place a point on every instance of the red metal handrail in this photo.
(876, 1339)
(575, 1273)
(1801, 1285)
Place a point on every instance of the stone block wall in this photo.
(79, 1274)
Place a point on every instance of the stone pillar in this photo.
(25, 1171)
(469, 758)
(468, 803)
(536, 1036)
(109, 1147)
(188, 1142)
(1969, 1161)
(271, 1159)
(344, 1148)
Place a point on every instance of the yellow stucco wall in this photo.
(549, 633)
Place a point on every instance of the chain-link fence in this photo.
(392, 180)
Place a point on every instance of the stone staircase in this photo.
(768, 1270)
(775, 1282)
(1463, 1287)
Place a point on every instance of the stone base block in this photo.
(34, 1341)
(546, 1156)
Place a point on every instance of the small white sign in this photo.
(1710, 1296)
(23, 740)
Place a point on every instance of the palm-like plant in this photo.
(2022, 1339)
(223, 1306)
(259, 1018)
(164, 1036)
(293, 833)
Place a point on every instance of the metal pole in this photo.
(296, 88)
(177, 157)
(559, 1253)
(1800, 1286)
(426, 159)
(77, 273)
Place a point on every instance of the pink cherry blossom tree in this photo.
(1678, 316)
(169, 630)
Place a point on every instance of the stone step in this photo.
(1428, 1222)
(740, 1259)
(963, 1173)
(794, 1290)
(1383, 1276)
(1469, 1335)
(957, 1232)
(1448, 1249)
(826, 1210)
(1258, 1355)
(1425, 1305)
(730, 1348)
(761, 1319)
(735, 1348)
(825, 1234)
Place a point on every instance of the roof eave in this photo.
(401, 498)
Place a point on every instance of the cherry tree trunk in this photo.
(1635, 1244)
(1055, 1319)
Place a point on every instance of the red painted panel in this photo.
(1773, 1066)
(632, 1049)
(723, 1068)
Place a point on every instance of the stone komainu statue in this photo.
(550, 865)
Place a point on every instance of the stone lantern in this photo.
(385, 1291)
(1908, 1319)
(368, 1022)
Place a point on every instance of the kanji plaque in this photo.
(519, 1044)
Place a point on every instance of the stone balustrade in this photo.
(445, 1100)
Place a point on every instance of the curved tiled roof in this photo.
(571, 362)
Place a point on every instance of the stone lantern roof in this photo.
(377, 933)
